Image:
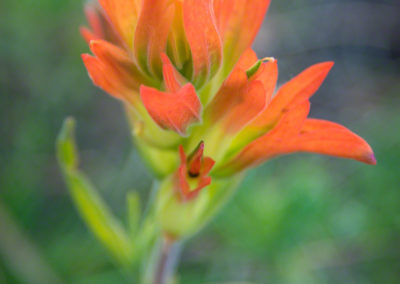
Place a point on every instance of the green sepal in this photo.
(179, 218)
(148, 130)
(160, 162)
(253, 69)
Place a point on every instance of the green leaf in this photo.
(90, 205)
(133, 201)
(66, 150)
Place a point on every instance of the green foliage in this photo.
(89, 204)
(133, 205)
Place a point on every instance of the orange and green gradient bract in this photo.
(189, 65)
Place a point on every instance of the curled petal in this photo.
(123, 16)
(174, 111)
(152, 33)
(203, 38)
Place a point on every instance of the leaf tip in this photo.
(66, 150)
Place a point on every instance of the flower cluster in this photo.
(202, 105)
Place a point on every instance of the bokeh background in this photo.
(297, 219)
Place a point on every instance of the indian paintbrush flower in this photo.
(191, 83)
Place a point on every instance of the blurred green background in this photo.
(297, 219)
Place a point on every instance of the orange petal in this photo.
(270, 144)
(152, 33)
(247, 60)
(195, 160)
(223, 102)
(208, 164)
(297, 90)
(241, 99)
(113, 70)
(173, 111)
(173, 80)
(182, 175)
(267, 74)
(106, 79)
(238, 22)
(248, 104)
(329, 138)
(118, 60)
(87, 34)
(123, 16)
(95, 21)
(203, 38)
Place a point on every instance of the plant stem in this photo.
(167, 261)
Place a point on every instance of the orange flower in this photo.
(193, 170)
(183, 62)
(282, 127)
(161, 53)
(186, 74)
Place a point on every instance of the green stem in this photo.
(167, 261)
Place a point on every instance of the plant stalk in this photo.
(167, 261)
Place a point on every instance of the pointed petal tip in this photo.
(85, 56)
(182, 154)
(328, 64)
(322, 68)
(83, 29)
(96, 45)
(164, 58)
(370, 159)
(86, 34)
(93, 43)
(201, 144)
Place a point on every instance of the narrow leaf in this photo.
(90, 205)
(133, 204)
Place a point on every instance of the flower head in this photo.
(192, 84)
(163, 53)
